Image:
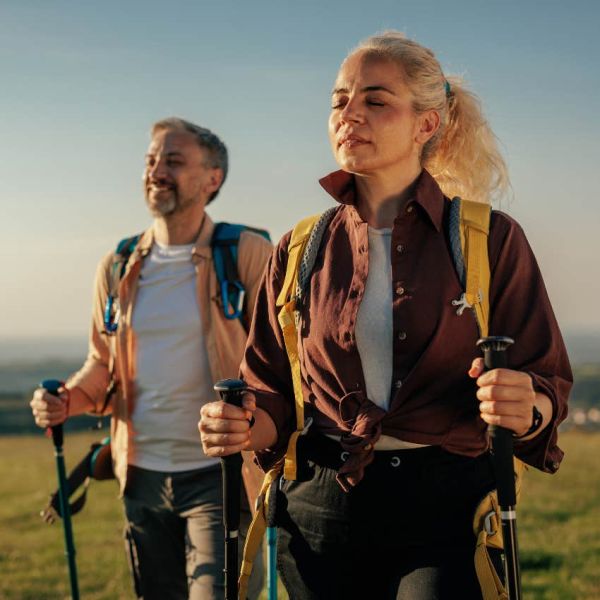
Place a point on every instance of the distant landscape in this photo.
(24, 363)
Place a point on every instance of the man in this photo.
(172, 342)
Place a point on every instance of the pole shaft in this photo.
(271, 564)
(66, 517)
(495, 357)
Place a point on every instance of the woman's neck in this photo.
(381, 198)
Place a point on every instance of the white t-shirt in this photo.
(173, 378)
(375, 330)
(375, 323)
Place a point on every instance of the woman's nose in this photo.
(351, 112)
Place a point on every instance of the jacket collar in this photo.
(427, 193)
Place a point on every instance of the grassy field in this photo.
(559, 527)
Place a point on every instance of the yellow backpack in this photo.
(468, 232)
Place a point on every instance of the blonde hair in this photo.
(463, 154)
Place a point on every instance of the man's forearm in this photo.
(79, 402)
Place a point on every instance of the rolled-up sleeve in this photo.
(94, 376)
(265, 368)
(520, 308)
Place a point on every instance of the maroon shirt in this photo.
(433, 400)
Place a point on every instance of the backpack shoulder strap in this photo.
(224, 244)
(296, 246)
(302, 251)
(121, 257)
(469, 226)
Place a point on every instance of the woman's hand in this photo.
(225, 428)
(507, 399)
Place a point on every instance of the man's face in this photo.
(177, 175)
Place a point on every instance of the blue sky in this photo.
(83, 81)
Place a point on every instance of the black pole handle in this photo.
(52, 386)
(494, 357)
(231, 392)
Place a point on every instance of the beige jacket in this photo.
(225, 339)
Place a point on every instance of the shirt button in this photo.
(402, 336)
(400, 290)
(397, 384)
(410, 209)
(400, 248)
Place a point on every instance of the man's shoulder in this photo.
(126, 244)
(252, 241)
(254, 252)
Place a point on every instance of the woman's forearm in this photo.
(264, 432)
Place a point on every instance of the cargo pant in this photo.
(174, 535)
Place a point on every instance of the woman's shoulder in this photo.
(507, 237)
(503, 226)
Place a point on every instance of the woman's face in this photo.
(372, 125)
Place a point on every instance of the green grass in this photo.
(558, 520)
(559, 525)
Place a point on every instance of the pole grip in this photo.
(231, 392)
(495, 357)
(52, 386)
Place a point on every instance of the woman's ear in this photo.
(428, 123)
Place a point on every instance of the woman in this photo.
(395, 461)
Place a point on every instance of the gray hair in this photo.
(205, 138)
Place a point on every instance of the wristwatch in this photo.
(536, 422)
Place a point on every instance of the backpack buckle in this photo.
(487, 523)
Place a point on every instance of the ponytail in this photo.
(465, 159)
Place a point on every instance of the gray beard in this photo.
(171, 206)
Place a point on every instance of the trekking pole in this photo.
(52, 386)
(494, 352)
(272, 545)
(231, 391)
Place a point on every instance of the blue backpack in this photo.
(224, 245)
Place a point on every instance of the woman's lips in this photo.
(351, 141)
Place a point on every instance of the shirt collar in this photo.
(341, 186)
(201, 245)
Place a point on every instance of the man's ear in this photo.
(214, 181)
(428, 123)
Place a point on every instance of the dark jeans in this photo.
(403, 532)
(175, 536)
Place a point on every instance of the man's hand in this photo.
(507, 398)
(49, 410)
